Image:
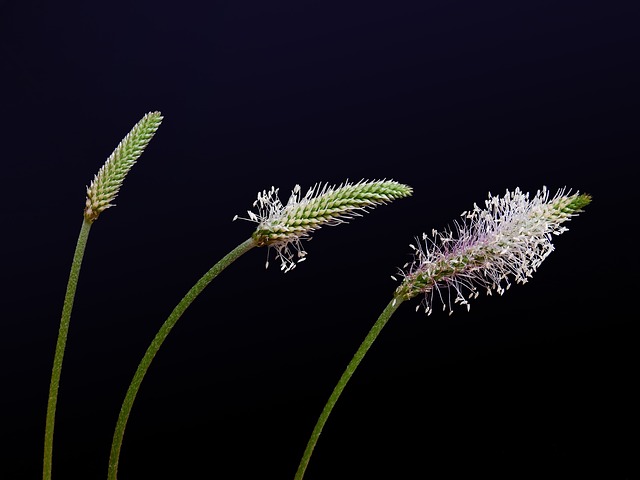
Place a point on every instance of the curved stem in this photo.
(63, 331)
(160, 337)
(353, 364)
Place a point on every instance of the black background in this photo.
(456, 98)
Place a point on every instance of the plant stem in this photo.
(72, 284)
(351, 368)
(160, 337)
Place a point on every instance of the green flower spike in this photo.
(282, 227)
(107, 182)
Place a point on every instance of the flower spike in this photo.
(107, 182)
(511, 237)
(283, 226)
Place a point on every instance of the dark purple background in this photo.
(456, 98)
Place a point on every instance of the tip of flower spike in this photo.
(107, 182)
(282, 226)
(581, 201)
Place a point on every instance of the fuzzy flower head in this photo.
(508, 239)
(107, 182)
(283, 226)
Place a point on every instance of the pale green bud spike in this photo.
(283, 226)
(106, 184)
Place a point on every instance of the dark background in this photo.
(456, 98)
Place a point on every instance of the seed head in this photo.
(107, 182)
(283, 226)
(510, 238)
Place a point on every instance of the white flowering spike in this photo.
(106, 184)
(284, 226)
(510, 238)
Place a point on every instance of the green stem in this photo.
(353, 364)
(162, 334)
(60, 346)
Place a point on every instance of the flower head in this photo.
(283, 226)
(509, 238)
(107, 182)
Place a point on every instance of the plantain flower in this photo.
(107, 182)
(283, 226)
(508, 239)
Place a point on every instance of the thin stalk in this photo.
(72, 284)
(351, 368)
(160, 337)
